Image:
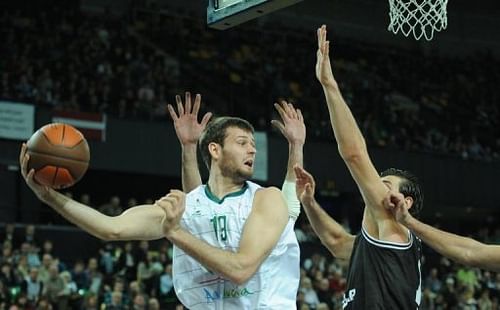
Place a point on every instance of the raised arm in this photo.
(292, 127)
(188, 132)
(261, 233)
(463, 250)
(351, 144)
(333, 236)
(138, 223)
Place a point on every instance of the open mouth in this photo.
(249, 163)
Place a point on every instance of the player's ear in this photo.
(409, 201)
(214, 149)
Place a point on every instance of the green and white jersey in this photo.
(220, 222)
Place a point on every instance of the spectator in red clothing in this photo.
(337, 281)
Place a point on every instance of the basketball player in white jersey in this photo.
(200, 288)
(189, 131)
(244, 255)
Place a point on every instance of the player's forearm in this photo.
(190, 173)
(331, 233)
(82, 216)
(347, 133)
(461, 249)
(353, 150)
(228, 264)
(295, 157)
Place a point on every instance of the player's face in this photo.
(238, 154)
(392, 182)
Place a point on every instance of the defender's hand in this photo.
(397, 203)
(292, 123)
(305, 185)
(324, 72)
(186, 124)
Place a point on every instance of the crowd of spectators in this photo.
(57, 56)
(131, 67)
(128, 275)
(138, 275)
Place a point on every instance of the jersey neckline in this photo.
(216, 199)
(388, 244)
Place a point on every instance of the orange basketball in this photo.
(59, 154)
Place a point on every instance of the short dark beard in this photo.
(235, 175)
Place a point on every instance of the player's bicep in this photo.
(144, 222)
(263, 227)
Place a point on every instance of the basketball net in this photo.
(418, 17)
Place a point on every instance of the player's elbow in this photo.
(110, 235)
(244, 270)
(111, 232)
(240, 277)
(340, 246)
(468, 258)
(352, 154)
(103, 235)
(472, 256)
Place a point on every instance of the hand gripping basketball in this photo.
(59, 154)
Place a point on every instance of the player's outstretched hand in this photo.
(41, 191)
(174, 205)
(305, 185)
(324, 72)
(186, 124)
(292, 123)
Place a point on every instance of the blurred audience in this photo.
(72, 285)
(60, 57)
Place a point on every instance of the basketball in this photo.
(59, 154)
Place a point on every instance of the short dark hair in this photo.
(409, 186)
(216, 132)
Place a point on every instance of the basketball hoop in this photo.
(420, 17)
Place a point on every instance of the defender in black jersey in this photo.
(383, 275)
(384, 271)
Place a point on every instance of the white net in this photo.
(418, 17)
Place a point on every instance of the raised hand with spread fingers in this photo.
(189, 131)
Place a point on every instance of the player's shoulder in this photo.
(263, 190)
(269, 193)
(265, 197)
(200, 189)
(270, 190)
(253, 186)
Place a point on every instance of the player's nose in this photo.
(252, 149)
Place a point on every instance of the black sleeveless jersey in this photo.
(383, 275)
